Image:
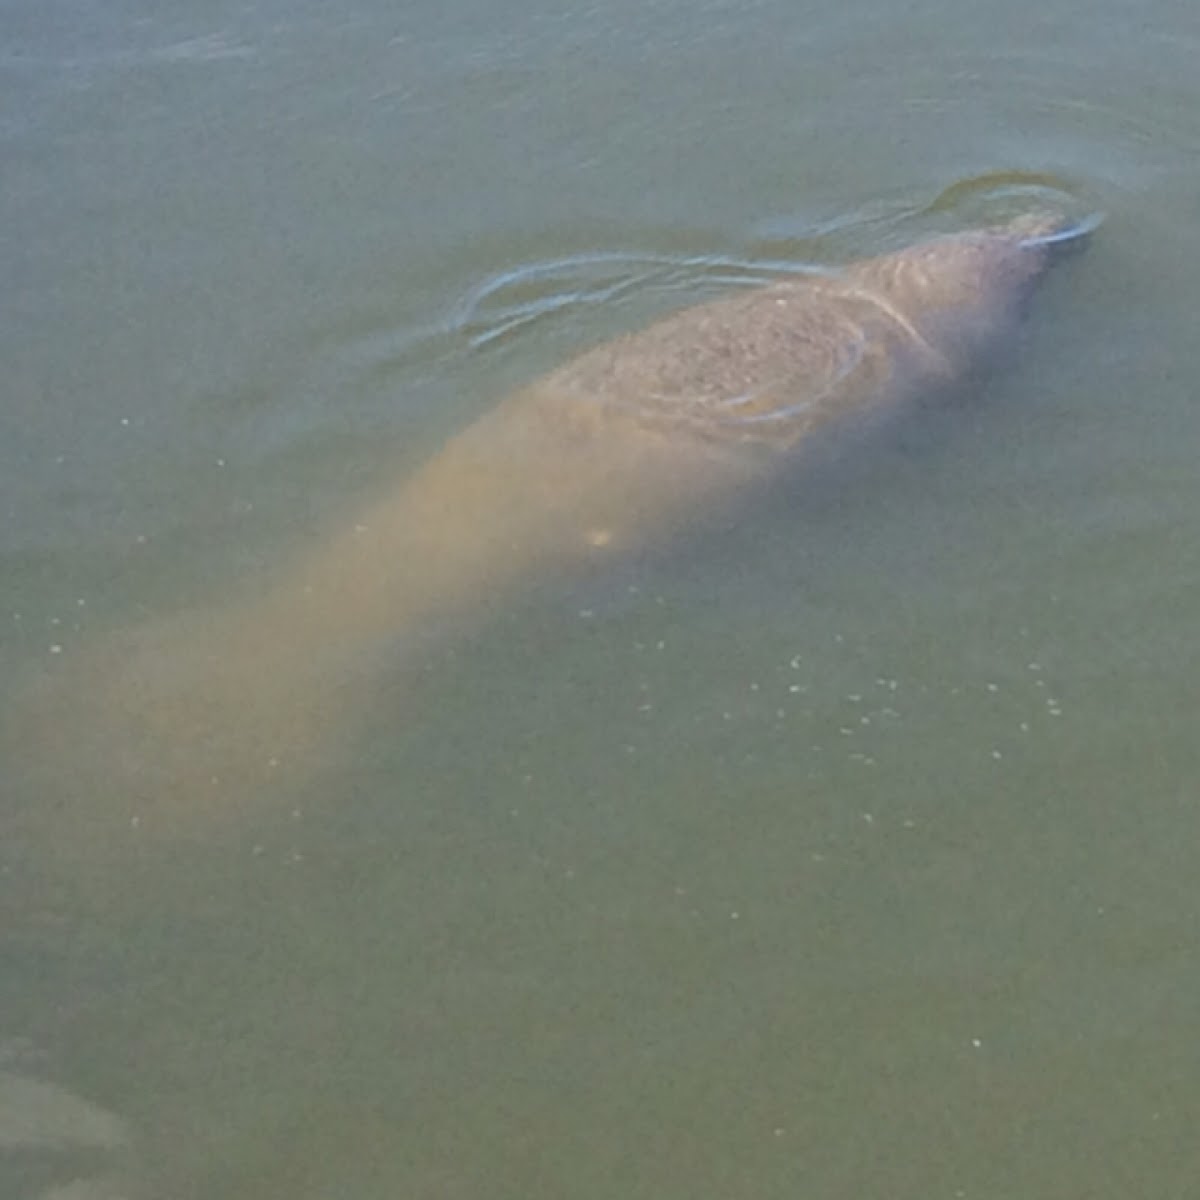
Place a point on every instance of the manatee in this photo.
(621, 446)
(644, 432)
(48, 1133)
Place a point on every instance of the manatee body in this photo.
(619, 446)
(639, 433)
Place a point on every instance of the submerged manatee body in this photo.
(620, 446)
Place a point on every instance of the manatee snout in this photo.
(1059, 233)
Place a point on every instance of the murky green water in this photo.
(844, 851)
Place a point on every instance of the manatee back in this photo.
(760, 366)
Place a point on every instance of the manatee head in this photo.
(954, 272)
(960, 291)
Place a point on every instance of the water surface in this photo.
(843, 851)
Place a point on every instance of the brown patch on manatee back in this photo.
(770, 365)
